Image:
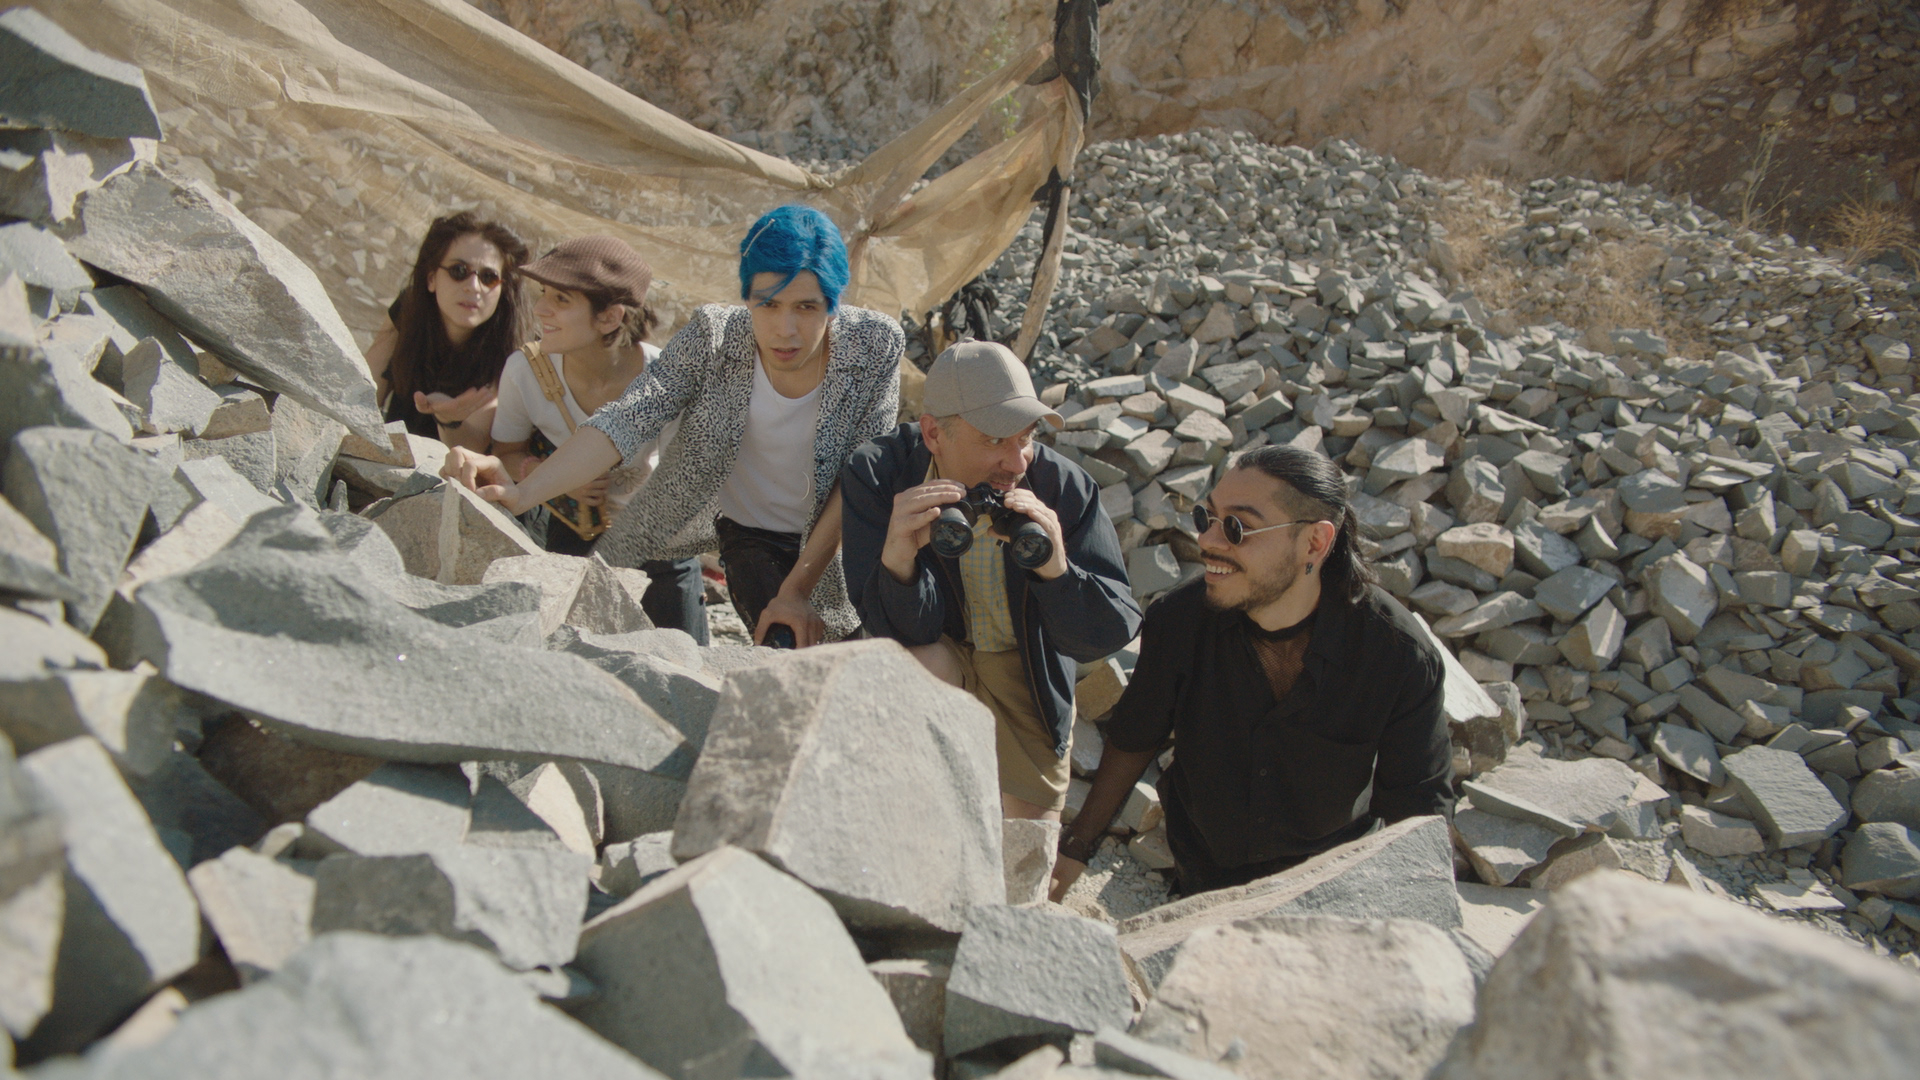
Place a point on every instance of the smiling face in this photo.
(969, 456)
(568, 325)
(1264, 566)
(466, 305)
(789, 326)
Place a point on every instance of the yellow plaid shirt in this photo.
(983, 574)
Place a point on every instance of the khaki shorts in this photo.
(1029, 769)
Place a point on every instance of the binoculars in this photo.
(951, 535)
(779, 636)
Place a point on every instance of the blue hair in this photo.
(791, 239)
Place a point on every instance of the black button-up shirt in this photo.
(1360, 738)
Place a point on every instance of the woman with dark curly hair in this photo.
(437, 362)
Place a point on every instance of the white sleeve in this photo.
(512, 422)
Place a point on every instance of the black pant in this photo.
(675, 598)
(757, 561)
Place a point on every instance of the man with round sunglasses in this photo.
(1303, 702)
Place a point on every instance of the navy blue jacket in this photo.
(1084, 614)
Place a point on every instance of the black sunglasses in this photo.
(1231, 527)
(459, 272)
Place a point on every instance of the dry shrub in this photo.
(1607, 285)
(1863, 229)
(1711, 15)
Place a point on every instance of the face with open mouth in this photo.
(465, 306)
(1263, 566)
(790, 323)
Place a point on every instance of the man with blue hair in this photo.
(772, 397)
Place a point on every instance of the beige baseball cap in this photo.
(983, 383)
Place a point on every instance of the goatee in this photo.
(1262, 589)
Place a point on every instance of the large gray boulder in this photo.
(32, 899)
(396, 810)
(46, 386)
(131, 923)
(524, 903)
(136, 716)
(168, 394)
(373, 1008)
(30, 647)
(230, 284)
(1315, 996)
(685, 695)
(811, 759)
(1033, 971)
(54, 281)
(581, 592)
(1498, 848)
(48, 79)
(1890, 795)
(42, 171)
(726, 968)
(260, 908)
(451, 535)
(88, 494)
(29, 563)
(1883, 857)
(195, 815)
(282, 625)
(304, 445)
(1621, 979)
(1787, 799)
(1403, 871)
(1592, 793)
(374, 554)
(1682, 593)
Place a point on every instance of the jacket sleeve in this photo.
(912, 612)
(883, 408)
(1089, 611)
(1413, 773)
(662, 391)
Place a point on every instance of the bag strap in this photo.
(548, 377)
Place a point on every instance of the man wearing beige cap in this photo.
(1007, 611)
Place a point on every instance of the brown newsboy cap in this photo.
(594, 264)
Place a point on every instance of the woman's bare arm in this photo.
(584, 458)
(379, 357)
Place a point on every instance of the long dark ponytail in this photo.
(1318, 492)
(424, 358)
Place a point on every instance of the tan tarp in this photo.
(344, 126)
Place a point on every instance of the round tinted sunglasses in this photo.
(460, 272)
(1230, 526)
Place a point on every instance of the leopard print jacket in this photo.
(705, 378)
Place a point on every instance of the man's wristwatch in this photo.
(1080, 851)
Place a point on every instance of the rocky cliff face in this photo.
(835, 77)
(1683, 94)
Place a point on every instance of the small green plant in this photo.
(1003, 116)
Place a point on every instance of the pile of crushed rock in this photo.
(312, 762)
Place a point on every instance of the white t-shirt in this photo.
(521, 408)
(771, 486)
